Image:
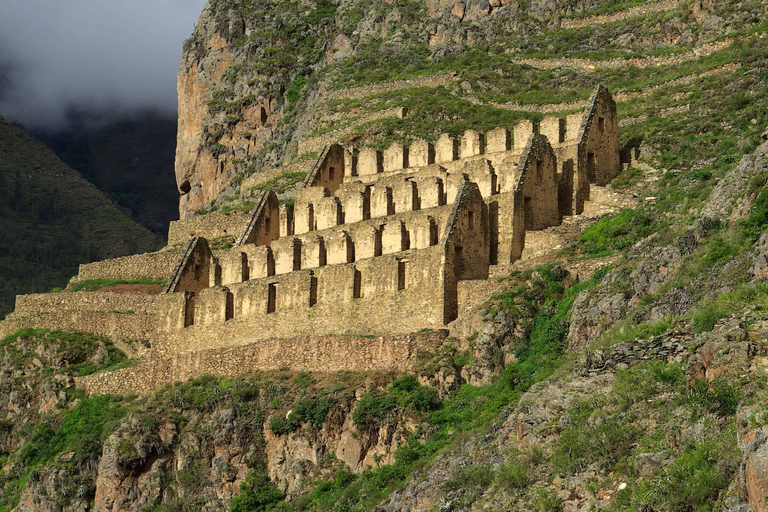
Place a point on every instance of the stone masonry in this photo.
(376, 244)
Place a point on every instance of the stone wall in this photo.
(667, 347)
(637, 62)
(363, 91)
(151, 265)
(632, 12)
(309, 354)
(390, 294)
(118, 315)
(210, 226)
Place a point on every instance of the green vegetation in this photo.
(92, 285)
(77, 350)
(257, 493)
(51, 220)
(282, 182)
(469, 408)
(618, 232)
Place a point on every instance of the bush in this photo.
(475, 476)
(719, 251)
(704, 319)
(754, 225)
(717, 397)
(513, 476)
(413, 395)
(257, 493)
(374, 408)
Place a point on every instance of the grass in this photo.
(618, 232)
(92, 285)
(625, 330)
(282, 182)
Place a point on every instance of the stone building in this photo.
(376, 243)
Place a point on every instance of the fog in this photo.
(100, 56)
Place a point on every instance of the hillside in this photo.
(129, 159)
(52, 220)
(251, 98)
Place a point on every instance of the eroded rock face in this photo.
(756, 470)
(211, 137)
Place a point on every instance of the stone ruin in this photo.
(376, 243)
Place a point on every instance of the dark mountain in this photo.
(131, 159)
(52, 219)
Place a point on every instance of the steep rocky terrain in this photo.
(52, 219)
(264, 84)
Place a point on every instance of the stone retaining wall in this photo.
(151, 265)
(632, 12)
(315, 144)
(669, 347)
(621, 96)
(362, 91)
(638, 62)
(310, 354)
(210, 226)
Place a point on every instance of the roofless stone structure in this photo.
(376, 243)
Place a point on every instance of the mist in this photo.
(108, 58)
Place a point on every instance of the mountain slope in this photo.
(130, 159)
(52, 219)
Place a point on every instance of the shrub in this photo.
(475, 476)
(513, 476)
(717, 397)
(719, 251)
(257, 493)
(704, 319)
(547, 501)
(374, 408)
(754, 225)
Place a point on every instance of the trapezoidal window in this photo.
(331, 173)
(601, 124)
(189, 309)
(312, 291)
(357, 287)
(402, 274)
(229, 310)
(471, 220)
(272, 298)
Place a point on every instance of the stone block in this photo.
(405, 196)
(499, 140)
(313, 253)
(553, 129)
(471, 144)
(446, 149)
(394, 237)
(523, 132)
(287, 252)
(339, 248)
(421, 153)
(395, 157)
(369, 162)
(328, 212)
(381, 201)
